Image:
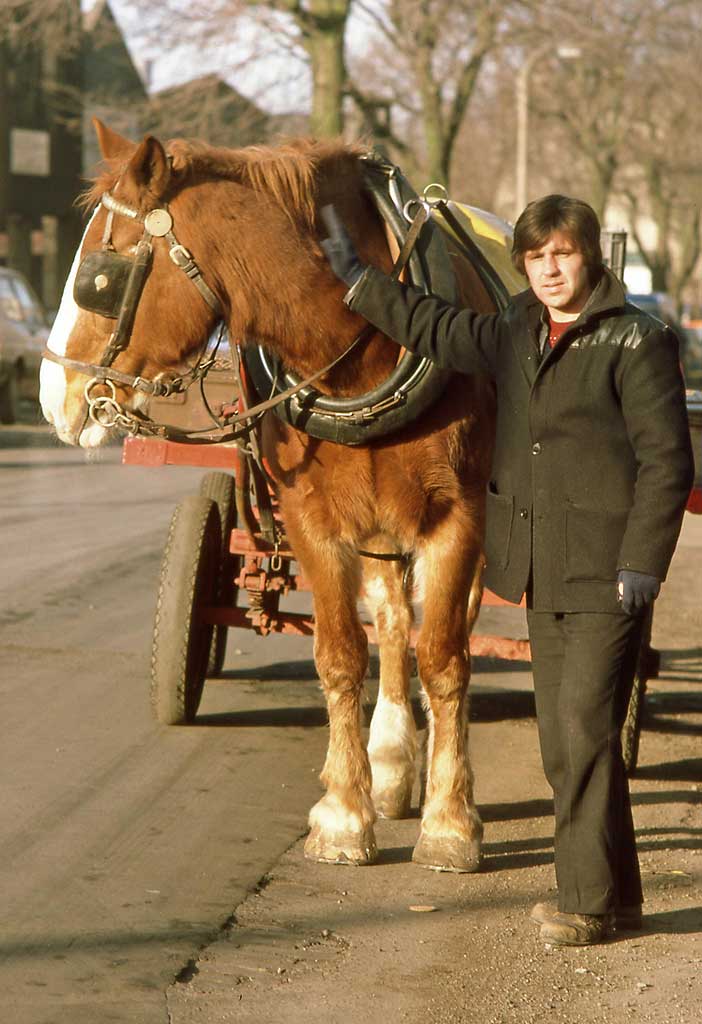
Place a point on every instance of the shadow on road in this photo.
(61, 945)
(484, 707)
(688, 769)
(519, 811)
(516, 855)
(675, 922)
(662, 839)
(266, 718)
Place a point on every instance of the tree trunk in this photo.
(323, 26)
(601, 181)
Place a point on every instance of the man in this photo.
(591, 471)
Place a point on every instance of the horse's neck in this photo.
(303, 320)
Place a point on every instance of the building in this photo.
(41, 84)
(114, 90)
(54, 75)
(207, 108)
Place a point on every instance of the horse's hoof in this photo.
(357, 849)
(447, 853)
(397, 804)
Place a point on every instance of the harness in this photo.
(416, 382)
(110, 284)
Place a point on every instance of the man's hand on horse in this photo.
(338, 248)
(636, 590)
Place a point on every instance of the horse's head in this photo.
(242, 229)
(124, 296)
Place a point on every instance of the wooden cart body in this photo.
(216, 576)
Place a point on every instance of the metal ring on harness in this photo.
(426, 199)
(104, 410)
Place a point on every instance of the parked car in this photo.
(660, 305)
(23, 334)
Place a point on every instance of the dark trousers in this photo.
(584, 665)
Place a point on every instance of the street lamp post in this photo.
(522, 105)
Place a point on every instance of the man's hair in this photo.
(571, 217)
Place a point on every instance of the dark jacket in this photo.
(592, 464)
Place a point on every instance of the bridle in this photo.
(110, 284)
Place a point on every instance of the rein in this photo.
(106, 411)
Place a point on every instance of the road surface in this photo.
(155, 876)
(124, 845)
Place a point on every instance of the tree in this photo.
(313, 30)
(424, 65)
(620, 125)
(320, 27)
(44, 40)
(52, 23)
(595, 98)
(663, 179)
(413, 82)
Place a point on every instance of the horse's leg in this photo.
(341, 823)
(392, 745)
(451, 831)
(475, 595)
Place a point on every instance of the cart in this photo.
(649, 658)
(216, 575)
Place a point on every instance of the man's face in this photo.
(558, 276)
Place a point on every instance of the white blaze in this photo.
(52, 378)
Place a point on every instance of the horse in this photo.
(246, 227)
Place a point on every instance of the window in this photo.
(9, 303)
(32, 312)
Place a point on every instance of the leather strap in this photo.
(157, 388)
(418, 222)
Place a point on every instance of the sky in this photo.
(256, 64)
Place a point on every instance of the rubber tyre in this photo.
(188, 581)
(646, 667)
(9, 397)
(219, 487)
(631, 730)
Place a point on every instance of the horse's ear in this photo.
(111, 144)
(149, 166)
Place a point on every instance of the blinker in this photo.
(101, 281)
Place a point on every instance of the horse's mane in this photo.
(289, 172)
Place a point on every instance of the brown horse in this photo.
(250, 220)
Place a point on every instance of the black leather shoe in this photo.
(625, 919)
(576, 929)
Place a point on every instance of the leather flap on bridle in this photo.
(101, 282)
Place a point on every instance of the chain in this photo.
(106, 411)
(276, 562)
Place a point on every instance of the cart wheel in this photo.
(220, 488)
(188, 581)
(646, 667)
(631, 730)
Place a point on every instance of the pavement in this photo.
(393, 942)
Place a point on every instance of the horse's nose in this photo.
(48, 415)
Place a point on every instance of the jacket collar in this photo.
(607, 296)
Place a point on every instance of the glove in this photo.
(636, 590)
(338, 248)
